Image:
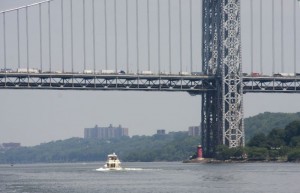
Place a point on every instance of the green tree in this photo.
(274, 154)
(292, 130)
(276, 138)
(257, 153)
(258, 140)
(265, 122)
(294, 155)
(295, 141)
(238, 153)
(223, 153)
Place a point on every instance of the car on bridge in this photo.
(255, 74)
(197, 73)
(122, 72)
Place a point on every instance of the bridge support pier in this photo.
(222, 111)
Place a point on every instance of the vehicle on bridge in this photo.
(197, 73)
(6, 70)
(88, 71)
(255, 74)
(28, 70)
(107, 72)
(182, 73)
(284, 74)
(122, 72)
(164, 73)
(146, 72)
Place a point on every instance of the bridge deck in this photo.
(271, 84)
(175, 83)
(68, 81)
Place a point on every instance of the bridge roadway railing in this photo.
(69, 81)
(271, 84)
(174, 83)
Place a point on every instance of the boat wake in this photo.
(119, 169)
(133, 169)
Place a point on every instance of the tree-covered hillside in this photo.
(171, 147)
(175, 146)
(282, 144)
(265, 122)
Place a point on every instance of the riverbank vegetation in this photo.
(270, 137)
(278, 145)
(266, 122)
(175, 146)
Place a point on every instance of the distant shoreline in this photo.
(213, 161)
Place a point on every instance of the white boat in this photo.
(113, 163)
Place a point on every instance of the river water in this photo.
(153, 177)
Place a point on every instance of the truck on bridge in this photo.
(147, 72)
(284, 74)
(107, 72)
(28, 70)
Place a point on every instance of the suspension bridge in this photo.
(192, 46)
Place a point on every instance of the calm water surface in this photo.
(151, 177)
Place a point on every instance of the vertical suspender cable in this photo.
(49, 22)
(170, 43)
(4, 41)
(116, 38)
(137, 36)
(273, 38)
(191, 35)
(94, 51)
(260, 35)
(282, 46)
(105, 27)
(127, 46)
(41, 37)
(148, 34)
(62, 38)
(158, 36)
(84, 42)
(27, 39)
(18, 29)
(72, 38)
(201, 39)
(180, 35)
(295, 38)
(251, 18)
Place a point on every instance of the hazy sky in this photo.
(33, 116)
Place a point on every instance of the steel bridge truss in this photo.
(271, 84)
(222, 110)
(191, 84)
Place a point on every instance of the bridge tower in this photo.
(222, 110)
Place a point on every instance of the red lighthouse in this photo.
(199, 153)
